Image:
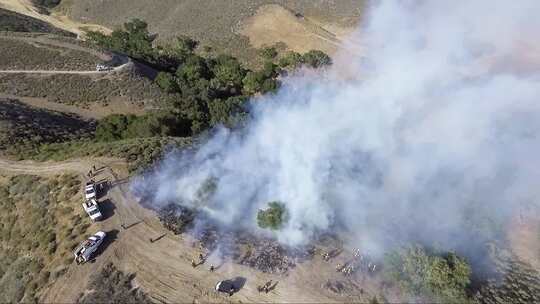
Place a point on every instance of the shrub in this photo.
(272, 218)
(268, 53)
(441, 277)
(113, 286)
(316, 59)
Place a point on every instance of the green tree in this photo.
(166, 82)
(441, 277)
(252, 82)
(228, 112)
(274, 217)
(262, 81)
(316, 59)
(193, 69)
(291, 60)
(268, 53)
(133, 40)
(228, 75)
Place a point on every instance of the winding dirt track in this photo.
(163, 268)
(41, 39)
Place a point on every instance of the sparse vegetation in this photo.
(22, 55)
(274, 217)
(11, 21)
(138, 152)
(439, 277)
(111, 285)
(83, 90)
(46, 3)
(215, 23)
(24, 129)
(37, 229)
(514, 281)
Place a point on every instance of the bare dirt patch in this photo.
(274, 23)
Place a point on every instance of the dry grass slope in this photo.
(40, 223)
(214, 23)
(23, 128)
(25, 55)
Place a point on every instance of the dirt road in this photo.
(163, 268)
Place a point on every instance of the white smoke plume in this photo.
(428, 134)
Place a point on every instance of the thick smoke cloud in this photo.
(430, 134)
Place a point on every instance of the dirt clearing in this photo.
(163, 269)
(274, 23)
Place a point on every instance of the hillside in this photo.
(220, 24)
(12, 21)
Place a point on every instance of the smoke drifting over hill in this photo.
(431, 134)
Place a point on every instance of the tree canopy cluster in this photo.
(206, 91)
(120, 126)
(442, 277)
(274, 217)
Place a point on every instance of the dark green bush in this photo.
(274, 217)
(443, 277)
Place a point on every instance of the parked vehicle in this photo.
(92, 209)
(86, 249)
(90, 190)
(226, 286)
(103, 67)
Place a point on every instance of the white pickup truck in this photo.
(103, 68)
(86, 249)
(90, 190)
(92, 209)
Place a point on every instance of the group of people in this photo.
(350, 267)
(202, 260)
(267, 287)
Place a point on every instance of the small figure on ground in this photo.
(212, 268)
(266, 286)
(193, 264)
(326, 256)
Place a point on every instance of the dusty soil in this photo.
(59, 20)
(163, 268)
(274, 23)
